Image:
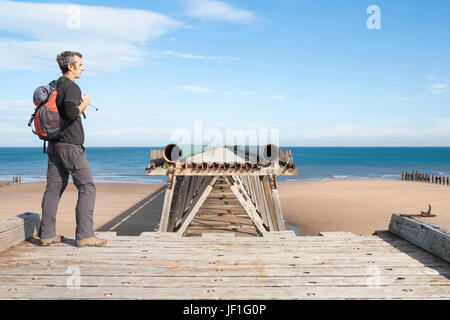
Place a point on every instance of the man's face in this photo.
(78, 69)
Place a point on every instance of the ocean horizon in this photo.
(127, 164)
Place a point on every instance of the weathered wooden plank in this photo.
(17, 229)
(281, 234)
(207, 248)
(217, 235)
(224, 267)
(272, 243)
(337, 234)
(300, 240)
(426, 235)
(232, 268)
(285, 293)
(222, 281)
(255, 256)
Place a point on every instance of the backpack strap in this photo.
(45, 148)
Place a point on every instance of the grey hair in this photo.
(65, 58)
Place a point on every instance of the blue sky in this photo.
(312, 70)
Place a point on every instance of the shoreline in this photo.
(283, 180)
(359, 206)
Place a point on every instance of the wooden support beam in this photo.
(270, 204)
(164, 223)
(202, 194)
(277, 203)
(264, 202)
(181, 205)
(175, 206)
(246, 203)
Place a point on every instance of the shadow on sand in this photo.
(144, 216)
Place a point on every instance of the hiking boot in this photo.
(91, 242)
(55, 239)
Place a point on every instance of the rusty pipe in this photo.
(269, 153)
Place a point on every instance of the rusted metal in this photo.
(272, 182)
(170, 178)
(423, 214)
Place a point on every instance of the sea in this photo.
(127, 164)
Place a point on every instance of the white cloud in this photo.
(247, 93)
(439, 88)
(196, 89)
(217, 10)
(196, 57)
(279, 98)
(109, 38)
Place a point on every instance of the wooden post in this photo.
(277, 203)
(164, 223)
(263, 201)
(240, 194)
(175, 201)
(270, 203)
(181, 204)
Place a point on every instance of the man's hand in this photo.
(85, 99)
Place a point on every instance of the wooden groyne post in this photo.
(425, 177)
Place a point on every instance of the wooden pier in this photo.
(221, 266)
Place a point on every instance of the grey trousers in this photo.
(65, 159)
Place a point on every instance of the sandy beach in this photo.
(358, 206)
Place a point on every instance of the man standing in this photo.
(67, 155)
